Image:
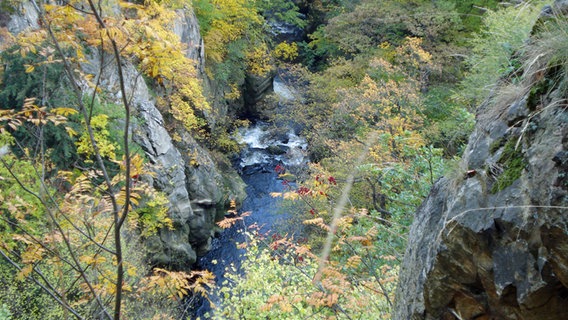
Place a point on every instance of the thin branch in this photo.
(44, 288)
(37, 241)
(372, 271)
(67, 3)
(79, 94)
(338, 307)
(54, 202)
(47, 283)
(61, 231)
(119, 220)
(338, 210)
(378, 279)
(97, 83)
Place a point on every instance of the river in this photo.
(265, 147)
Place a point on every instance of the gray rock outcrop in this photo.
(492, 241)
(184, 171)
(194, 182)
(26, 19)
(253, 87)
(197, 185)
(186, 27)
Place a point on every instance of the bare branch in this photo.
(118, 219)
(61, 231)
(47, 207)
(52, 293)
(338, 210)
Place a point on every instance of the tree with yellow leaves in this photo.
(75, 233)
(235, 39)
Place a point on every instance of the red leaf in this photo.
(332, 180)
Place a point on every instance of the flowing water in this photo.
(264, 148)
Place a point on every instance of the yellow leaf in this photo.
(354, 261)
(64, 111)
(291, 195)
(48, 7)
(24, 272)
(100, 259)
(29, 68)
(80, 54)
(154, 71)
(131, 271)
(86, 259)
(134, 198)
(125, 4)
(21, 238)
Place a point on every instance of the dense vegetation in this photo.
(387, 95)
(387, 92)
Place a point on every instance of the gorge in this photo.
(397, 159)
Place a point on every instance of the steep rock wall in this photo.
(492, 242)
(186, 26)
(186, 172)
(253, 87)
(198, 191)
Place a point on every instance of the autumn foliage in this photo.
(378, 104)
(75, 230)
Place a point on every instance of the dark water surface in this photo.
(264, 151)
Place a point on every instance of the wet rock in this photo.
(256, 87)
(277, 150)
(282, 31)
(204, 202)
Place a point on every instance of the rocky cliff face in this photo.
(186, 172)
(195, 184)
(253, 87)
(492, 242)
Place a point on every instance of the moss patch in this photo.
(513, 163)
(543, 87)
(496, 145)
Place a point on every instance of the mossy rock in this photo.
(288, 177)
(550, 80)
(496, 145)
(276, 150)
(513, 162)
